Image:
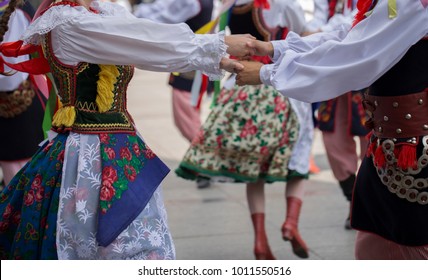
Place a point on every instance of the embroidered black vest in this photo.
(78, 89)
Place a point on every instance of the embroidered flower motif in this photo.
(109, 175)
(104, 138)
(155, 239)
(125, 153)
(80, 205)
(39, 194)
(31, 233)
(130, 172)
(107, 192)
(149, 153)
(29, 198)
(136, 149)
(7, 212)
(111, 154)
(37, 182)
(60, 156)
(83, 252)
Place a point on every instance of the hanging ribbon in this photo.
(36, 66)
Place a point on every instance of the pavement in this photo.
(214, 223)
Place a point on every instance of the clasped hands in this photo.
(244, 47)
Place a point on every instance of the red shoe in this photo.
(289, 228)
(261, 246)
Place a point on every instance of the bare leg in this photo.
(256, 205)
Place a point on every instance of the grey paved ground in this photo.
(214, 223)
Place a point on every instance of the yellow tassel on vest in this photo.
(105, 87)
(65, 116)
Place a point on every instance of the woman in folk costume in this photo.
(387, 51)
(254, 135)
(195, 13)
(342, 118)
(91, 191)
(21, 103)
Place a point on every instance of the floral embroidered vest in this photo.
(92, 97)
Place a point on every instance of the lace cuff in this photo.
(213, 49)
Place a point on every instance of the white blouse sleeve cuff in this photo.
(213, 50)
(266, 73)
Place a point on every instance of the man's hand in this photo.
(261, 48)
(250, 74)
(240, 45)
(231, 65)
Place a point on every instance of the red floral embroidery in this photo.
(104, 138)
(39, 194)
(7, 212)
(29, 198)
(109, 175)
(37, 182)
(125, 153)
(136, 149)
(110, 152)
(130, 173)
(107, 191)
(149, 153)
(61, 156)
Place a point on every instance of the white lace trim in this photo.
(215, 48)
(61, 14)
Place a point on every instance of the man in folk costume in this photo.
(386, 50)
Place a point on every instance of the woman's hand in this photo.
(231, 65)
(250, 74)
(240, 45)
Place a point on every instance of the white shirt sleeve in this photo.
(18, 22)
(140, 42)
(168, 11)
(320, 15)
(372, 47)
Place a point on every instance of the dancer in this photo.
(91, 191)
(254, 135)
(21, 103)
(195, 13)
(386, 50)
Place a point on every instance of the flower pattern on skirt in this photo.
(248, 136)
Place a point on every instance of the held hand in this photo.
(240, 45)
(230, 65)
(261, 48)
(250, 75)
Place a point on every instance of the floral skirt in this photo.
(248, 136)
(57, 205)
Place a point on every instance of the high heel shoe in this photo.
(289, 228)
(261, 246)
